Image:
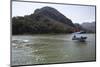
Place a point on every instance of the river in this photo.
(51, 48)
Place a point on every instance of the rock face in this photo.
(43, 20)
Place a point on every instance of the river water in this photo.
(50, 48)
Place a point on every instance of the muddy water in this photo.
(40, 49)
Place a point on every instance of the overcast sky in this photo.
(78, 14)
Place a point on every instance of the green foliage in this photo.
(26, 25)
(39, 23)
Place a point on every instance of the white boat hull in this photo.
(79, 38)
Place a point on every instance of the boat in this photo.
(80, 36)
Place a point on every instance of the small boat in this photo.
(80, 36)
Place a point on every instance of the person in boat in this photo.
(74, 36)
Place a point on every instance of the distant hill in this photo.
(89, 27)
(43, 20)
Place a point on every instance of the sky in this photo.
(78, 14)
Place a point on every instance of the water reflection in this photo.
(80, 44)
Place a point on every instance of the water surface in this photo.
(40, 49)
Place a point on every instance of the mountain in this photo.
(89, 27)
(54, 14)
(43, 20)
